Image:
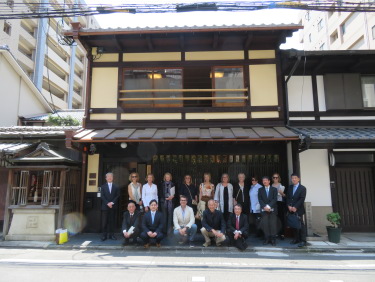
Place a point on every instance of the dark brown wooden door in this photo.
(355, 198)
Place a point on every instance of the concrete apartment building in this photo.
(337, 30)
(55, 67)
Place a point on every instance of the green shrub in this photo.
(62, 121)
(334, 218)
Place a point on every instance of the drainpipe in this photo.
(40, 47)
(71, 72)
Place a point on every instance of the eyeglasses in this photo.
(275, 177)
(134, 176)
(182, 200)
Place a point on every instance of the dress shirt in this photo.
(295, 187)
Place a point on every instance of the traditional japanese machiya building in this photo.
(184, 100)
(331, 102)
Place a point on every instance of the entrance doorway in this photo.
(355, 197)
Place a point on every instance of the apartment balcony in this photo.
(55, 79)
(58, 61)
(53, 35)
(77, 98)
(26, 63)
(83, 21)
(58, 102)
(27, 39)
(78, 65)
(78, 81)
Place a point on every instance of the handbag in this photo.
(293, 220)
(193, 202)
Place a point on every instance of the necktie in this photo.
(237, 223)
(110, 187)
(131, 217)
(267, 190)
(153, 216)
(294, 189)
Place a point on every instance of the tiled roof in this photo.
(76, 114)
(193, 27)
(186, 134)
(35, 131)
(11, 148)
(338, 133)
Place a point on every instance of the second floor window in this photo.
(202, 86)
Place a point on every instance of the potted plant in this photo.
(334, 231)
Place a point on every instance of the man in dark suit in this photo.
(152, 225)
(296, 204)
(110, 194)
(130, 223)
(213, 225)
(238, 228)
(267, 196)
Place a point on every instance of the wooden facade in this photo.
(331, 102)
(184, 100)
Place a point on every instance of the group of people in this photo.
(226, 210)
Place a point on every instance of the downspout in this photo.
(40, 47)
(71, 72)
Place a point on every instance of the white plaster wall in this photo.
(315, 176)
(321, 93)
(300, 94)
(17, 98)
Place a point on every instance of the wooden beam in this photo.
(117, 43)
(183, 99)
(215, 41)
(182, 42)
(149, 42)
(183, 90)
(248, 41)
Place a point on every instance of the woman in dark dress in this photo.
(166, 194)
(189, 190)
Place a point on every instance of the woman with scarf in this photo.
(166, 194)
(224, 196)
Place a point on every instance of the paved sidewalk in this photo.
(354, 242)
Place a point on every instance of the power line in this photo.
(51, 10)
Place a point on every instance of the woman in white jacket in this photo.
(224, 196)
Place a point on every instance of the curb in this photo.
(308, 249)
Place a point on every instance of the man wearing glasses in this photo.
(184, 222)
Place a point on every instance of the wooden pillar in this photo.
(83, 182)
(7, 203)
(295, 156)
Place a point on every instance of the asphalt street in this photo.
(191, 265)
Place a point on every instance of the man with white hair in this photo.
(110, 193)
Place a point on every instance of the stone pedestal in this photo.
(32, 224)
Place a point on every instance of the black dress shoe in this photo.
(302, 244)
(112, 237)
(273, 242)
(125, 243)
(293, 242)
(103, 238)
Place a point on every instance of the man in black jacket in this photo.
(110, 194)
(152, 225)
(130, 223)
(213, 225)
(296, 204)
(267, 196)
(238, 228)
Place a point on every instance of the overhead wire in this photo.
(68, 10)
